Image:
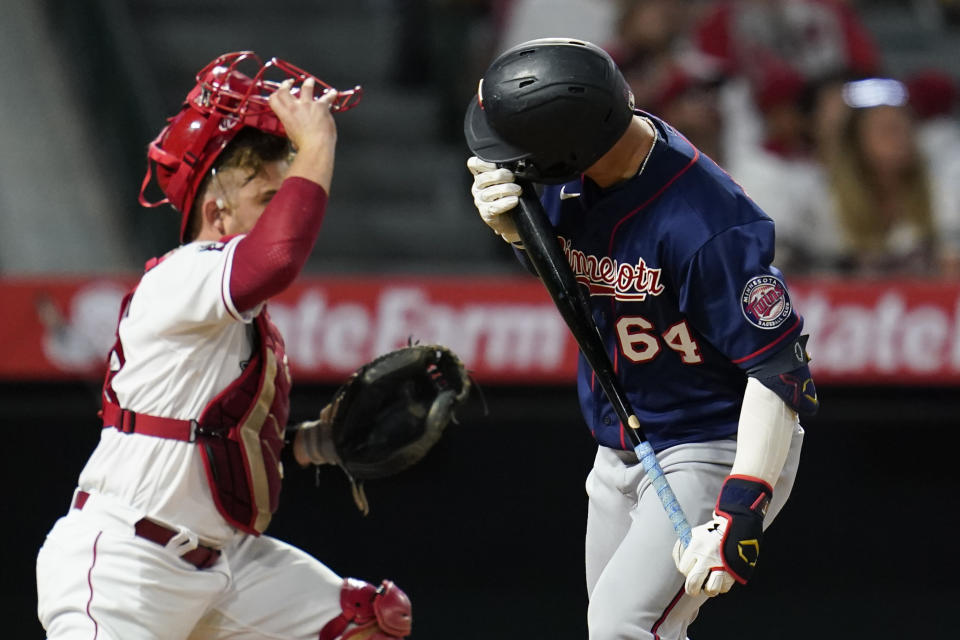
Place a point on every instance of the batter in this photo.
(699, 325)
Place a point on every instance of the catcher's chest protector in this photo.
(240, 432)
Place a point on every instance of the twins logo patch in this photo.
(765, 302)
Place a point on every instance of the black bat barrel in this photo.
(544, 252)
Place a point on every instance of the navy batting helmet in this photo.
(549, 109)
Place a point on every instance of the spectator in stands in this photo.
(880, 186)
(815, 37)
(933, 99)
(667, 76)
(687, 99)
(645, 44)
(828, 111)
(786, 125)
(786, 179)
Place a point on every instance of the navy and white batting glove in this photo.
(725, 549)
(494, 193)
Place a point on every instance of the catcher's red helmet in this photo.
(224, 101)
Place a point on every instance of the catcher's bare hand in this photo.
(310, 128)
(313, 443)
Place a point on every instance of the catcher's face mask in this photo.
(231, 93)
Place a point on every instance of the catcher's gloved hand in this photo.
(388, 414)
(494, 193)
(725, 548)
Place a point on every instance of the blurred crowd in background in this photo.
(859, 168)
(838, 117)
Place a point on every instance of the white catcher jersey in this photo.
(183, 342)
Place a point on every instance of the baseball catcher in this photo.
(387, 416)
(187, 474)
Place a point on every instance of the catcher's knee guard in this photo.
(364, 606)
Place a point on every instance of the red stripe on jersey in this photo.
(769, 346)
(666, 185)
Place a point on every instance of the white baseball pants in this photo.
(635, 590)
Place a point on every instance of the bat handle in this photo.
(667, 498)
(551, 265)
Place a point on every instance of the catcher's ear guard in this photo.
(392, 411)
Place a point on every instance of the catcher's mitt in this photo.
(391, 411)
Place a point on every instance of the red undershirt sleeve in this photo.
(272, 254)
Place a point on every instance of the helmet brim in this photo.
(484, 141)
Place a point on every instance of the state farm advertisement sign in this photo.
(901, 332)
(505, 328)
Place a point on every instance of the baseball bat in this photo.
(543, 250)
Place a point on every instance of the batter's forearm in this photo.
(764, 433)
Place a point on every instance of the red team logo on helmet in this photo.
(765, 302)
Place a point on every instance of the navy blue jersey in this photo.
(677, 261)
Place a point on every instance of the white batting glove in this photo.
(726, 548)
(494, 193)
(702, 560)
